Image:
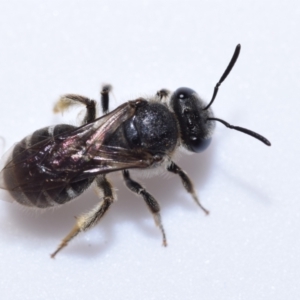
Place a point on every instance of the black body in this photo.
(56, 164)
(153, 128)
(48, 167)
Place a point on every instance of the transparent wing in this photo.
(72, 156)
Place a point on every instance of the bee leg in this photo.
(149, 199)
(163, 93)
(106, 88)
(71, 99)
(91, 218)
(187, 183)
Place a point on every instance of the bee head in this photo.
(196, 120)
(195, 128)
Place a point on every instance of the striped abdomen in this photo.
(27, 178)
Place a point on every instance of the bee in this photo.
(56, 164)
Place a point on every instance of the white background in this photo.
(248, 248)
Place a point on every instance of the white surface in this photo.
(248, 248)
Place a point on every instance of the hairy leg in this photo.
(149, 199)
(69, 100)
(91, 218)
(187, 183)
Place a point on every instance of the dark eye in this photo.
(198, 145)
(183, 93)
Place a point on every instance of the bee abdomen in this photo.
(21, 169)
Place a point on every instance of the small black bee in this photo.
(56, 164)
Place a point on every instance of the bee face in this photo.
(196, 130)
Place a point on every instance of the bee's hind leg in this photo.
(91, 218)
(106, 88)
(68, 100)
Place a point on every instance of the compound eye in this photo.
(183, 93)
(197, 144)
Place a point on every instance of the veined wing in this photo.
(71, 156)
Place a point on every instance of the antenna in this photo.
(225, 74)
(244, 130)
